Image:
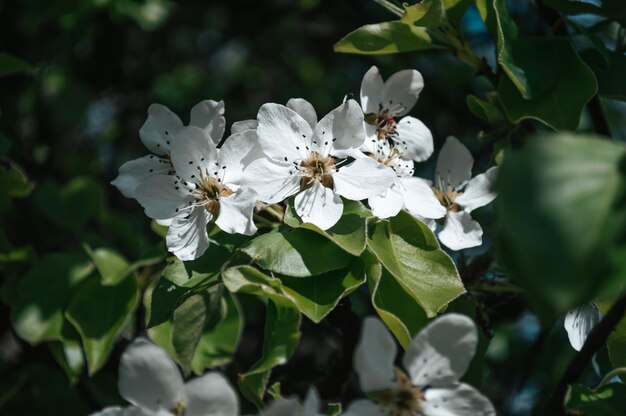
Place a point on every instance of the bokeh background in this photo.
(71, 121)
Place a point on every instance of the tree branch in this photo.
(595, 340)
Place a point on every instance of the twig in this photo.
(596, 339)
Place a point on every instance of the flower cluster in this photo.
(434, 362)
(151, 382)
(355, 152)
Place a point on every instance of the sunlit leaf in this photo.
(409, 251)
(385, 38)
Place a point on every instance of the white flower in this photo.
(460, 194)
(152, 383)
(433, 365)
(579, 322)
(301, 160)
(383, 102)
(292, 407)
(157, 134)
(206, 188)
(413, 194)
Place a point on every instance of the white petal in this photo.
(371, 90)
(442, 351)
(239, 126)
(364, 407)
(209, 116)
(187, 238)
(457, 400)
(363, 178)
(479, 191)
(237, 152)
(283, 133)
(401, 91)
(159, 129)
(311, 403)
(148, 378)
(414, 140)
(374, 357)
(371, 143)
(283, 407)
(163, 197)
(420, 199)
(120, 411)
(460, 231)
(305, 109)
(341, 130)
(454, 165)
(193, 152)
(579, 322)
(211, 395)
(271, 181)
(387, 204)
(134, 172)
(236, 212)
(319, 206)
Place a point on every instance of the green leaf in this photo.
(43, 294)
(561, 105)
(187, 326)
(561, 211)
(100, 313)
(350, 231)
(296, 252)
(455, 9)
(69, 355)
(402, 314)
(14, 182)
(426, 13)
(282, 323)
(112, 267)
(611, 9)
(217, 345)
(10, 65)
(409, 250)
(610, 74)
(530, 63)
(317, 296)
(609, 400)
(72, 205)
(488, 15)
(181, 280)
(385, 38)
(484, 110)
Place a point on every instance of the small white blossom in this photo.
(433, 364)
(408, 192)
(150, 381)
(460, 194)
(383, 102)
(205, 188)
(304, 158)
(292, 407)
(158, 133)
(579, 322)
